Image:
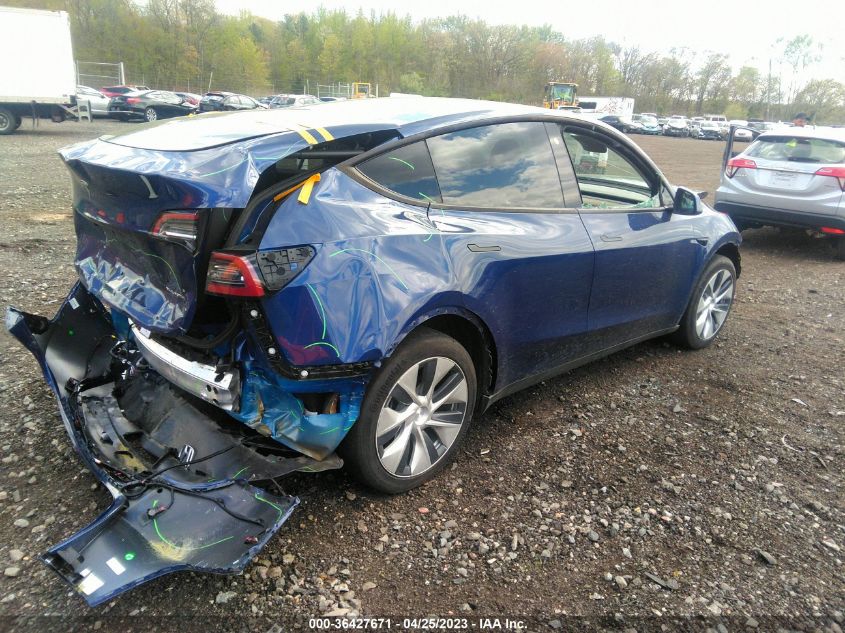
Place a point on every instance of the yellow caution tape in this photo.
(307, 187)
(286, 192)
(304, 133)
(325, 133)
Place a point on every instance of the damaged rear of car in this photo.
(261, 291)
(190, 375)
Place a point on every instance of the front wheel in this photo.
(150, 115)
(415, 413)
(709, 306)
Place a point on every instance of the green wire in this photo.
(361, 250)
(324, 344)
(404, 162)
(182, 547)
(322, 309)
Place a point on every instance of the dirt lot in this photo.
(654, 488)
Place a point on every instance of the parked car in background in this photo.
(220, 101)
(290, 101)
(150, 105)
(99, 102)
(661, 121)
(369, 294)
(694, 126)
(330, 99)
(676, 125)
(792, 177)
(115, 91)
(190, 97)
(648, 124)
(709, 130)
(619, 122)
(742, 132)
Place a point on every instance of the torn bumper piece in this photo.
(180, 477)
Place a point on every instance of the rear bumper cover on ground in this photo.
(778, 217)
(201, 517)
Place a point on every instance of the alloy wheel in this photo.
(151, 115)
(421, 417)
(714, 304)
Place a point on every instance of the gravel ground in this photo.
(656, 488)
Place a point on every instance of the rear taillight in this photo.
(735, 164)
(834, 172)
(832, 230)
(132, 100)
(180, 225)
(252, 274)
(233, 275)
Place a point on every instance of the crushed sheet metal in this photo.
(157, 524)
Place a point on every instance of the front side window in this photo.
(406, 170)
(508, 165)
(607, 179)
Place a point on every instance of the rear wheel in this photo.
(8, 121)
(150, 114)
(415, 413)
(709, 305)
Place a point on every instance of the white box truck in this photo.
(38, 77)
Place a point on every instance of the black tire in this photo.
(8, 121)
(150, 115)
(359, 448)
(18, 121)
(688, 334)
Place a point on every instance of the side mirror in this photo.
(686, 202)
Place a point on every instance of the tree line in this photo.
(188, 45)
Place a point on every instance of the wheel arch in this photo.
(468, 329)
(731, 251)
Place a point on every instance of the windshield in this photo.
(798, 149)
(283, 101)
(567, 93)
(649, 120)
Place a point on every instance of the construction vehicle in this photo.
(361, 90)
(559, 94)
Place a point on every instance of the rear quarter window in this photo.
(406, 170)
(508, 165)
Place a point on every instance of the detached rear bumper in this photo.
(180, 478)
(751, 214)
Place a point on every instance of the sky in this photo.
(746, 31)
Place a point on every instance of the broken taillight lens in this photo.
(735, 164)
(181, 225)
(834, 172)
(233, 275)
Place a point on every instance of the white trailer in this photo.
(602, 106)
(38, 79)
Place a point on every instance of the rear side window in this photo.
(406, 170)
(798, 149)
(508, 165)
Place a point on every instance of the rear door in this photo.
(646, 255)
(526, 259)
